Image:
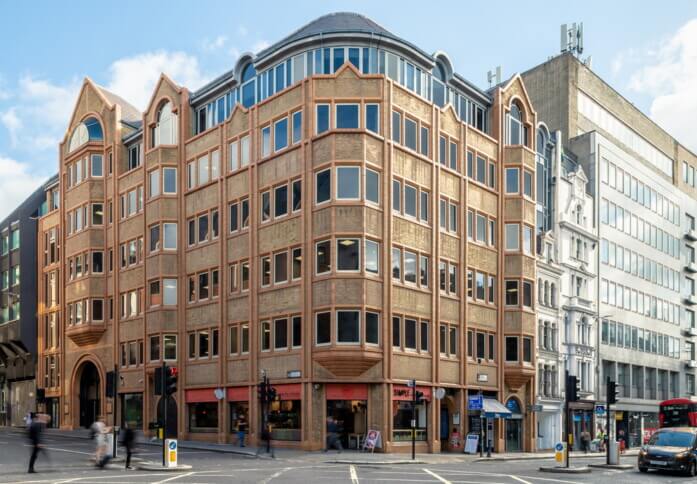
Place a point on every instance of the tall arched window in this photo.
(553, 295)
(165, 130)
(248, 81)
(88, 130)
(579, 215)
(439, 91)
(517, 131)
(546, 301)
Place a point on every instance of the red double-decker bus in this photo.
(677, 412)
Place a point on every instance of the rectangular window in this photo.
(323, 257)
(348, 327)
(512, 237)
(154, 183)
(347, 116)
(397, 264)
(372, 117)
(281, 201)
(280, 134)
(396, 196)
(323, 183)
(170, 292)
(372, 328)
(410, 129)
(348, 183)
(512, 348)
(322, 328)
(396, 333)
(372, 186)
(410, 196)
(511, 293)
(372, 256)
(280, 265)
(322, 120)
(280, 334)
(396, 127)
(512, 183)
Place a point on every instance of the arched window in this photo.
(579, 215)
(248, 73)
(165, 130)
(517, 131)
(439, 91)
(540, 291)
(541, 140)
(553, 295)
(248, 81)
(546, 301)
(88, 130)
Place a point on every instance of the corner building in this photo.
(330, 213)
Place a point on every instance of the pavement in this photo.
(67, 459)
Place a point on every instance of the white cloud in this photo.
(134, 78)
(16, 184)
(668, 72)
(260, 45)
(215, 44)
(12, 123)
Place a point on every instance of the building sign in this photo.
(404, 393)
(475, 402)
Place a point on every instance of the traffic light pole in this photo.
(608, 399)
(566, 415)
(413, 422)
(164, 411)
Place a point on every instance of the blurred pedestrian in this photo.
(585, 440)
(128, 442)
(333, 440)
(36, 427)
(99, 431)
(241, 429)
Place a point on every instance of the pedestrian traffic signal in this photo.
(573, 387)
(171, 380)
(612, 392)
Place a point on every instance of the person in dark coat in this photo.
(129, 438)
(36, 428)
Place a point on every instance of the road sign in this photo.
(475, 402)
(600, 409)
(171, 446)
(560, 454)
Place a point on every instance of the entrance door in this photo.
(89, 395)
(514, 432)
(347, 418)
(444, 424)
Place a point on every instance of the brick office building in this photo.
(331, 212)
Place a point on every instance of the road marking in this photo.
(174, 478)
(275, 475)
(550, 480)
(519, 479)
(444, 481)
(354, 476)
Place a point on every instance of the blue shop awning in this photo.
(495, 409)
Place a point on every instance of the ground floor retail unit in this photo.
(305, 414)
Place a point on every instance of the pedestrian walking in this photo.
(333, 440)
(241, 429)
(266, 441)
(585, 440)
(99, 431)
(36, 427)
(128, 442)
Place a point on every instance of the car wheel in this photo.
(692, 470)
(643, 469)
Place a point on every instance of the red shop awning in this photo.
(347, 391)
(404, 393)
(201, 395)
(238, 394)
(291, 391)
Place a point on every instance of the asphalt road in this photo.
(67, 461)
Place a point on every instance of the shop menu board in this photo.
(471, 443)
(372, 440)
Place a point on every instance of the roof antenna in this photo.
(494, 76)
(571, 39)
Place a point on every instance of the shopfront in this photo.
(402, 398)
(582, 414)
(285, 414)
(486, 422)
(238, 406)
(635, 427)
(202, 410)
(514, 426)
(347, 412)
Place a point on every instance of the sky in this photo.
(645, 50)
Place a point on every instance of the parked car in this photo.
(673, 448)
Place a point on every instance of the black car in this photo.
(672, 449)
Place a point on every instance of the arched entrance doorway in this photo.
(171, 432)
(89, 396)
(514, 427)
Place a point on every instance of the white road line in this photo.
(174, 478)
(354, 476)
(550, 480)
(519, 479)
(444, 481)
(275, 475)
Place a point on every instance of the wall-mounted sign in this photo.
(219, 393)
(294, 374)
(482, 377)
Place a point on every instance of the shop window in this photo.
(401, 422)
(285, 419)
(203, 417)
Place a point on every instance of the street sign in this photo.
(535, 408)
(171, 446)
(600, 409)
(411, 383)
(475, 402)
(560, 454)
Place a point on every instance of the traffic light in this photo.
(612, 392)
(572, 388)
(261, 390)
(171, 380)
(418, 396)
(158, 381)
(271, 392)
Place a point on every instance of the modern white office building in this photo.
(643, 183)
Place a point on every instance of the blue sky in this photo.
(646, 50)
